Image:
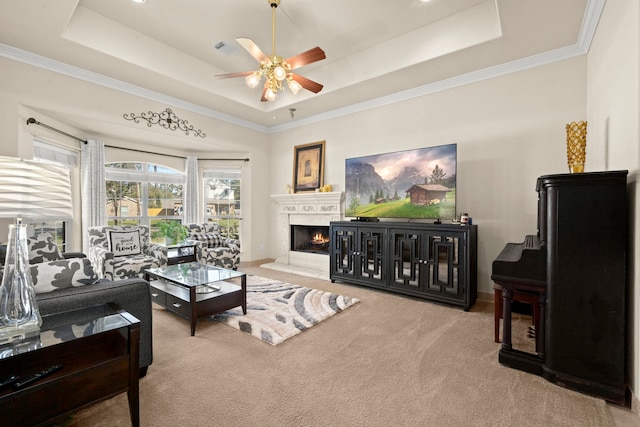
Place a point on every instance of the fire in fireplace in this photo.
(310, 238)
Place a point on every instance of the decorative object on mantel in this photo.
(308, 167)
(576, 146)
(167, 119)
(277, 311)
(30, 189)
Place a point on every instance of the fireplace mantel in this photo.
(329, 203)
(304, 209)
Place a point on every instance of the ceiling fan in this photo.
(275, 68)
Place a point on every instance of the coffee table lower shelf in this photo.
(191, 304)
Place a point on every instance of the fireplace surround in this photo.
(314, 211)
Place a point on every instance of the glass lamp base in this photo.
(19, 315)
(10, 334)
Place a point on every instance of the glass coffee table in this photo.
(193, 290)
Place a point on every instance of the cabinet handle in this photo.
(177, 305)
(154, 295)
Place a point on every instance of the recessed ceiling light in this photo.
(421, 1)
(144, 1)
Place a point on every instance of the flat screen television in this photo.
(419, 183)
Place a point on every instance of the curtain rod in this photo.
(246, 159)
(33, 121)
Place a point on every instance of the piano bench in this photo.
(518, 296)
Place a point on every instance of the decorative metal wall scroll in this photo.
(167, 119)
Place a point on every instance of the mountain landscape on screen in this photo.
(418, 183)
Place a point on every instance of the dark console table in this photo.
(96, 352)
(437, 262)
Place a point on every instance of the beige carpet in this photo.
(386, 361)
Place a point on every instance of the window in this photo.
(222, 200)
(59, 230)
(143, 193)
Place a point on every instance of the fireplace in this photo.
(310, 238)
(302, 232)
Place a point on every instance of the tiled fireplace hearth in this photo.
(314, 210)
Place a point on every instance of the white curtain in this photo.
(94, 192)
(190, 199)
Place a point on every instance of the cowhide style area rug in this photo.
(277, 311)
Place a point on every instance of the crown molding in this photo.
(593, 11)
(442, 85)
(592, 14)
(30, 58)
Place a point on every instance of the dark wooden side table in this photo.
(181, 253)
(97, 348)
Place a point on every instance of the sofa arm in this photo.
(102, 261)
(159, 252)
(232, 244)
(132, 295)
(200, 246)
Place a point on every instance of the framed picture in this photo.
(308, 166)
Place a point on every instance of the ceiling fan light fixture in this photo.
(270, 95)
(294, 86)
(253, 79)
(276, 69)
(279, 73)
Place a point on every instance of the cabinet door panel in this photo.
(406, 254)
(444, 263)
(342, 256)
(370, 262)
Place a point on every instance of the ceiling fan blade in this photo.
(253, 49)
(309, 85)
(230, 75)
(308, 57)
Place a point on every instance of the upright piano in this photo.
(577, 263)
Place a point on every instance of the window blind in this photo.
(53, 153)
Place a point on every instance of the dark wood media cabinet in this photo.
(437, 262)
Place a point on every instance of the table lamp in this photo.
(28, 189)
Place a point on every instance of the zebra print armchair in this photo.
(121, 252)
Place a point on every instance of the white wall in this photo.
(27, 91)
(613, 135)
(509, 131)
